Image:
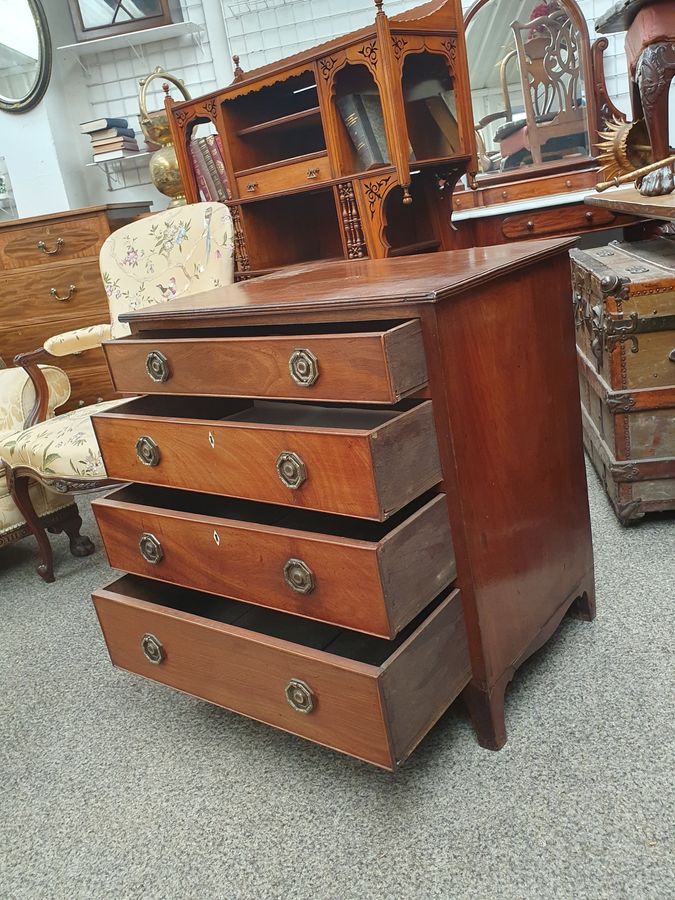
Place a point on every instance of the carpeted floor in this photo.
(115, 788)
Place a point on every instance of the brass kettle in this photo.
(164, 170)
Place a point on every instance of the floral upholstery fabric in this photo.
(159, 258)
(78, 341)
(17, 397)
(62, 447)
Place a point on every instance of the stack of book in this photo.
(207, 161)
(110, 138)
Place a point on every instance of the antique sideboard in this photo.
(51, 283)
(354, 491)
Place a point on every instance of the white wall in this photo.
(46, 154)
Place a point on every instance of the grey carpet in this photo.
(116, 788)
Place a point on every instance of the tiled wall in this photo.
(259, 31)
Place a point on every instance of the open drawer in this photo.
(366, 697)
(362, 363)
(360, 462)
(367, 576)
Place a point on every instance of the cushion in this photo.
(62, 447)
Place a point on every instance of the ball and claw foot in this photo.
(80, 545)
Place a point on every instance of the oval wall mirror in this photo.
(529, 66)
(25, 54)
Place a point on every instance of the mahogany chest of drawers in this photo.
(353, 492)
(51, 283)
(625, 308)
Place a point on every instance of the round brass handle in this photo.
(304, 367)
(291, 470)
(568, 183)
(505, 194)
(300, 696)
(60, 243)
(55, 294)
(151, 549)
(252, 187)
(147, 452)
(530, 225)
(671, 355)
(588, 216)
(299, 577)
(152, 649)
(157, 367)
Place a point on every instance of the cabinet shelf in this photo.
(284, 122)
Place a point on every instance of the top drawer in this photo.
(35, 245)
(380, 365)
(305, 172)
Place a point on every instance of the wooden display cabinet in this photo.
(300, 189)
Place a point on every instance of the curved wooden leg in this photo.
(18, 489)
(655, 71)
(486, 709)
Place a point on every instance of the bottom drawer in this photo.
(367, 697)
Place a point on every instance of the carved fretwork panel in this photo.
(241, 258)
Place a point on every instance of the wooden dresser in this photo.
(356, 492)
(51, 283)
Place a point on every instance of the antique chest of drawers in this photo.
(51, 283)
(625, 308)
(336, 515)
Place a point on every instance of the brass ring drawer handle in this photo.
(55, 294)
(147, 452)
(152, 649)
(151, 549)
(157, 367)
(300, 696)
(60, 244)
(671, 355)
(299, 577)
(304, 367)
(291, 470)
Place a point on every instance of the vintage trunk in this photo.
(624, 297)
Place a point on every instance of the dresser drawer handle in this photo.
(147, 452)
(291, 470)
(55, 294)
(252, 187)
(157, 367)
(312, 174)
(300, 696)
(60, 244)
(529, 225)
(151, 549)
(299, 577)
(152, 649)
(671, 355)
(304, 367)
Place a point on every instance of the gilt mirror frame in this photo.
(41, 83)
(533, 170)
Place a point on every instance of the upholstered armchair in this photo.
(52, 511)
(173, 254)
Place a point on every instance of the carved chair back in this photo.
(172, 254)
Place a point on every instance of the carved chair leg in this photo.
(80, 545)
(486, 709)
(18, 489)
(655, 70)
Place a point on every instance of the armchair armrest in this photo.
(78, 341)
(16, 395)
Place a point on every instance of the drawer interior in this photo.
(161, 500)
(340, 642)
(263, 412)
(255, 331)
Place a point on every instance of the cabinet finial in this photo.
(238, 71)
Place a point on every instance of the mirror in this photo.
(529, 68)
(25, 55)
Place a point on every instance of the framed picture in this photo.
(102, 18)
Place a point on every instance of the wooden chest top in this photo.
(350, 287)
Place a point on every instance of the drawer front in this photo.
(53, 242)
(377, 713)
(54, 295)
(377, 367)
(558, 220)
(368, 474)
(376, 585)
(308, 172)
